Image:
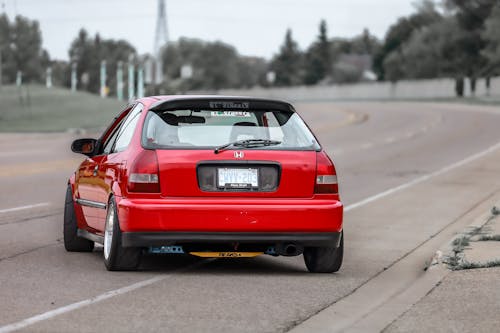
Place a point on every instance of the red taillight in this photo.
(326, 176)
(143, 175)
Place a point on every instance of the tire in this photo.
(73, 243)
(324, 259)
(116, 257)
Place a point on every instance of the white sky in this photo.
(254, 27)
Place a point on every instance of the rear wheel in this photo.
(116, 257)
(324, 259)
(72, 242)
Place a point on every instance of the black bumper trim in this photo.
(146, 239)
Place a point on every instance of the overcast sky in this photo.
(254, 27)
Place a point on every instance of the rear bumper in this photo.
(144, 239)
(230, 215)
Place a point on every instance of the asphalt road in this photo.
(376, 147)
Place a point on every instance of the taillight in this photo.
(326, 176)
(143, 175)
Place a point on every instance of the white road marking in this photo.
(70, 307)
(102, 297)
(422, 179)
(15, 209)
(367, 145)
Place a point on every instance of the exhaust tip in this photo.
(289, 249)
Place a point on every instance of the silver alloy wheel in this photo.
(108, 233)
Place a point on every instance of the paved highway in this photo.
(407, 171)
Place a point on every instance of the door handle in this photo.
(96, 169)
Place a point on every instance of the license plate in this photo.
(238, 178)
(226, 254)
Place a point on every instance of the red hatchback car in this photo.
(209, 176)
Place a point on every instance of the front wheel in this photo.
(324, 259)
(116, 257)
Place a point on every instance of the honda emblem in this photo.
(238, 154)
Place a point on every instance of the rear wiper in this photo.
(250, 143)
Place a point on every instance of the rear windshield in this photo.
(201, 129)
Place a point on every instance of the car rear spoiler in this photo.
(221, 103)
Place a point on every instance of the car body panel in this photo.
(230, 214)
(181, 206)
(178, 176)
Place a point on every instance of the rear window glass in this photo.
(213, 128)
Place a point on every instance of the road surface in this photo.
(407, 171)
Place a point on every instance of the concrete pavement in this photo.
(467, 299)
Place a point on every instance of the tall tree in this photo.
(21, 47)
(491, 37)
(215, 65)
(287, 64)
(401, 31)
(88, 53)
(318, 59)
(429, 53)
(471, 16)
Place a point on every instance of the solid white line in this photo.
(15, 209)
(50, 314)
(421, 179)
(70, 307)
(74, 306)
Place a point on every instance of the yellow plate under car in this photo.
(226, 254)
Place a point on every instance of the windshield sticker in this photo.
(229, 105)
(230, 114)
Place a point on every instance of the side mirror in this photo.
(84, 146)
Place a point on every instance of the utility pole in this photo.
(140, 82)
(131, 78)
(103, 79)
(119, 81)
(19, 78)
(74, 78)
(48, 77)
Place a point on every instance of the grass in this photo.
(460, 242)
(456, 260)
(472, 265)
(35, 108)
(489, 238)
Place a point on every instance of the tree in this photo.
(491, 36)
(471, 17)
(88, 53)
(318, 59)
(21, 47)
(287, 64)
(401, 31)
(430, 52)
(215, 65)
(4, 44)
(365, 43)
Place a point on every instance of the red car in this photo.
(209, 176)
